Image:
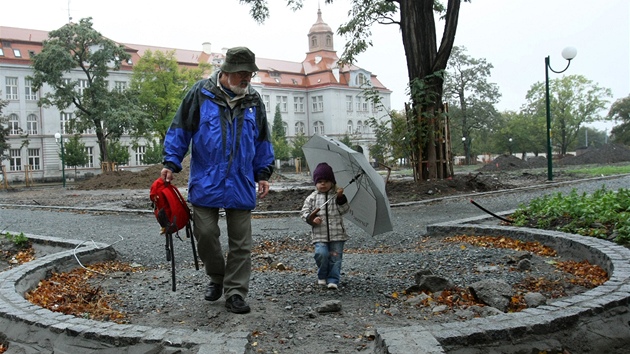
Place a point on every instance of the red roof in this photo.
(317, 70)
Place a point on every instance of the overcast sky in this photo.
(514, 36)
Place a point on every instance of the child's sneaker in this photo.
(332, 286)
(321, 281)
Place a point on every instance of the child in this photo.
(323, 210)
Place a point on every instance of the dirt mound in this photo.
(606, 154)
(537, 162)
(143, 179)
(505, 163)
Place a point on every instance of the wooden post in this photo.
(298, 165)
(28, 175)
(5, 183)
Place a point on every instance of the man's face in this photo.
(238, 82)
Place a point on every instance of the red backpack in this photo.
(169, 206)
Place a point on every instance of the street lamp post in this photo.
(59, 139)
(510, 140)
(568, 53)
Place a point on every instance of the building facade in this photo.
(315, 96)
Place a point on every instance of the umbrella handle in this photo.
(313, 215)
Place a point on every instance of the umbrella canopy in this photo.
(363, 186)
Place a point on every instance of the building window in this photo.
(362, 104)
(17, 53)
(298, 104)
(349, 103)
(140, 152)
(11, 88)
(285, 128)
(64, 122)
(31, 94)
(350, 127)
(328, 41)
(14, 124)
(300, 128)
(318, 127)
(120, 86)
(1, 52)
(31, 124)
(15, 160)
(314, 41)
(362, 80)
(33, 159)
(359, 127)
(90, 159)
(318, 103)
(282, 102)
(266, 102)
(82, 84)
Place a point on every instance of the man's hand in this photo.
(167, 175)
(263, 188)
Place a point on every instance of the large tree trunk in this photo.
(424, 61)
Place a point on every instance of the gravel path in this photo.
(284, 318)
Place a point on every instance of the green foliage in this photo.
(345, 139)
(19, 240)
(118, 153)
(299, 141)
(600, 214)
(620, 113)
(472, 97)
(161, 85)
(606, 170)
(79, 49)
(574, 101)
(392, 138)
(281, 148)
(75, 153)
(153, 153)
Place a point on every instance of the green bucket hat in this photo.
(239, 59)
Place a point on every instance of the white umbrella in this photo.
(363, 186)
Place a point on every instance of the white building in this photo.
(315, 96)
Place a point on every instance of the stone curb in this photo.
(570, 321)
(38, 330)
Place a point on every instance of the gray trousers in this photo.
(233, 273)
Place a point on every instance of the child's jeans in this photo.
(328, 257)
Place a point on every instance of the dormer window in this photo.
(1, 52)
(17, 53)
(362, 80)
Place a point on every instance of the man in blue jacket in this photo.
(223, 121)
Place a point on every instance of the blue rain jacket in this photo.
(231, 149)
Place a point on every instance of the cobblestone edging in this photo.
(596, 321)
(34, 329)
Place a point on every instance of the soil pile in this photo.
(607, 154)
